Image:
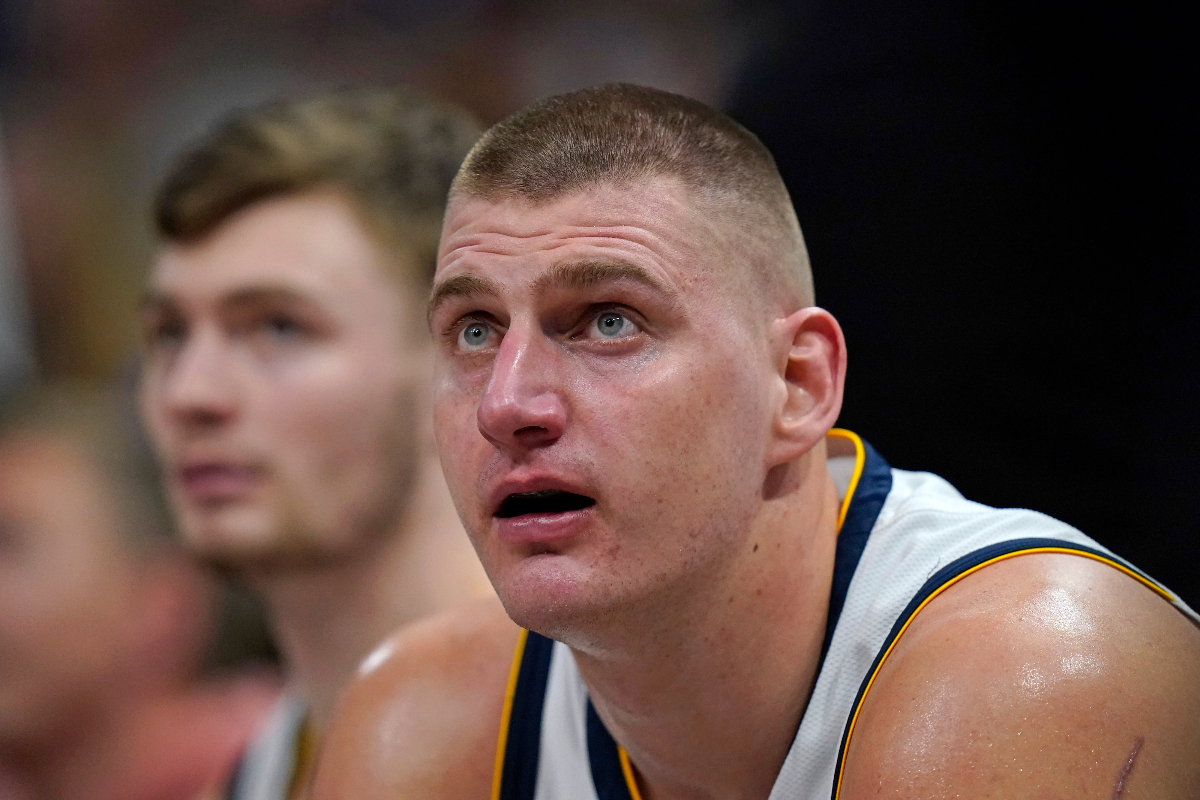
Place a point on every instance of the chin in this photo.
(228, 534)
(558, 597)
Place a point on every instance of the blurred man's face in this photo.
(281, 383)
(599, 397)
(67, 588)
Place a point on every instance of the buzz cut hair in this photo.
(619, 133)
(391, 151)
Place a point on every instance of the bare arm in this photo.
(1042, 676)
(422, 722)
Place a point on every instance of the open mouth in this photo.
(549, 501)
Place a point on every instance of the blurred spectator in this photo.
(97, 99)
(104, 624)
(16, 359)
(285, 383)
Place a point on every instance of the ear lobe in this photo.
(811, 361)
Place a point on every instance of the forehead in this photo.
(654, 224)
(311, 244)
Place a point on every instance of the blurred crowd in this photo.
(128, 669)
(99, 98)
(1001, 209)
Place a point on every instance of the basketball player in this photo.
(104, 621)
(286, 383)
(718, 595)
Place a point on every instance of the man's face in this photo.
(66, 586)
(281, 383)
(599, 397)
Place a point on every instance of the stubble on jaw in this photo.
(296, 545)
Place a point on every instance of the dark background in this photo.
(1001, 207)
(1000, 200)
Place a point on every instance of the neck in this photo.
(327, 620)
(728, 669)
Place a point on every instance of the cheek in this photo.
(456, 397)
(682, 459)
(155, 418)
(461, 447)
(701, 418)
(335, 406)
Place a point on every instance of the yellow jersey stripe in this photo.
(627, 770)
(860, 460)
(506, 714)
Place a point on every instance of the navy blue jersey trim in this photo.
(939, 579)
(519, 780)
(873, 487)
(607, 775)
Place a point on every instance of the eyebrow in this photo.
(582, 274)
(460, 286)
(154, 300)
(263, 294)
(567, 275)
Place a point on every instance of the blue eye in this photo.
(613, 325)
(474, 336)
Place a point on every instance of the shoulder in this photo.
(422, 716)
(1044, 670)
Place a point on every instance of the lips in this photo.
(545, 501)
(540, 512)
(214, 482)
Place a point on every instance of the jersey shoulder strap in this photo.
(955, 571)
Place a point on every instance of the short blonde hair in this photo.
(392, 151)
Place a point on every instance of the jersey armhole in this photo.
(948, 576)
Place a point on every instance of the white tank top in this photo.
(268, 768)
(903, 538)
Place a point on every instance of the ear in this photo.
(810, 358)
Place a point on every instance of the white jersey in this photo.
(903, 538)
(269, 766)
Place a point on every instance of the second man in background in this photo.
(285, 383)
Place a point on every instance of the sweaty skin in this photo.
(1045, 675)
(1127, 768)
(693, 590)
(421, 718)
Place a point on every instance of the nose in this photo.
(197, 388)
(522, 407)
